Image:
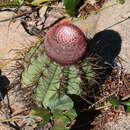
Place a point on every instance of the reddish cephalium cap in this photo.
(65, 43)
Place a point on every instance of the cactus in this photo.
(52, 80)
(54, 83)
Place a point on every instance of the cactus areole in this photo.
(65, 43)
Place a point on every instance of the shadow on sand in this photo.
(106, 46)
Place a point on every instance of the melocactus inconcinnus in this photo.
(65, 43)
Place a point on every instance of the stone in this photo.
(121, 123)
(110, 19)
(88, 25)
(12, 36)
